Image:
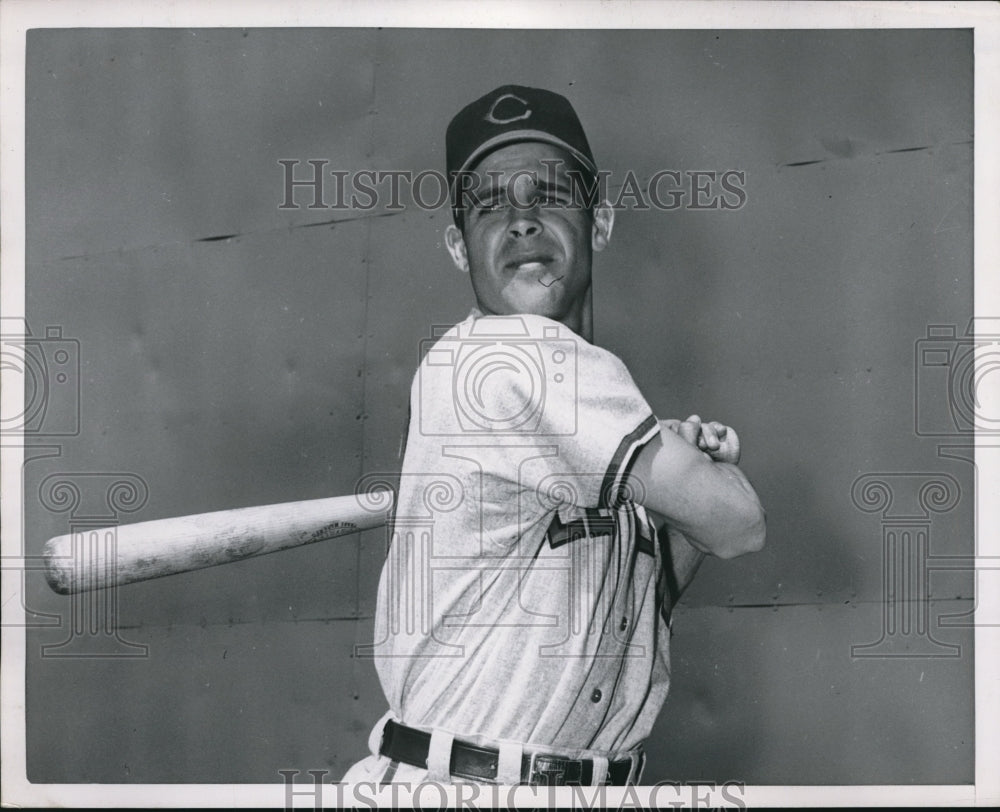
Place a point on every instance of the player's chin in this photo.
(544, 302)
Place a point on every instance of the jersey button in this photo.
(596, 696)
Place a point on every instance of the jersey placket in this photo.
(596, 700)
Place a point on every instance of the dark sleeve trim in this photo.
(598, 523)
(623, 459)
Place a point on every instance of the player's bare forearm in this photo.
(711, 503)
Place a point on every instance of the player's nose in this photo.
(524, 222)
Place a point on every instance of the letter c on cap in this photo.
(491, 117)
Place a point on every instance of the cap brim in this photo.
(520, 136)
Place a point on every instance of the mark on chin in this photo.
(549, 280)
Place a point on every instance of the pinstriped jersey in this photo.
(521, 597)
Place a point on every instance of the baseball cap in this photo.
(510, 114)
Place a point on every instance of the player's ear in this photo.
(604, 222)
(456, 247)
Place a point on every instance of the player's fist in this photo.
(720, 442)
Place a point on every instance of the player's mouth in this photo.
(538, 266)
(530, 264)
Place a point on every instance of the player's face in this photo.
(527, 241)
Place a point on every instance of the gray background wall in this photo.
(273, 364)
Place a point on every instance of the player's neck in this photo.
(580, 323)
(580, 319)
(587, 316)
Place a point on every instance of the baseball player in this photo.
(546, 521)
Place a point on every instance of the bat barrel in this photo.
(99, 558)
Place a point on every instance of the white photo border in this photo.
(18, 16)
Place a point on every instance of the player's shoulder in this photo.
(511, 336)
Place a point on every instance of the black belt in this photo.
(410, 746)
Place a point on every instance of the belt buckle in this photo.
(532, 767)
(546, 778)
(536, 776)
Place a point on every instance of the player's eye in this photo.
(554, 198)
(492, 205)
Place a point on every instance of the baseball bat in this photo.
(98, 558)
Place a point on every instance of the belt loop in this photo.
(600, 771)
(638, 759)
(375, 737)
(530, 777)
(509, 764)
(439, 756)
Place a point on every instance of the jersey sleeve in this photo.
(590, 415)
